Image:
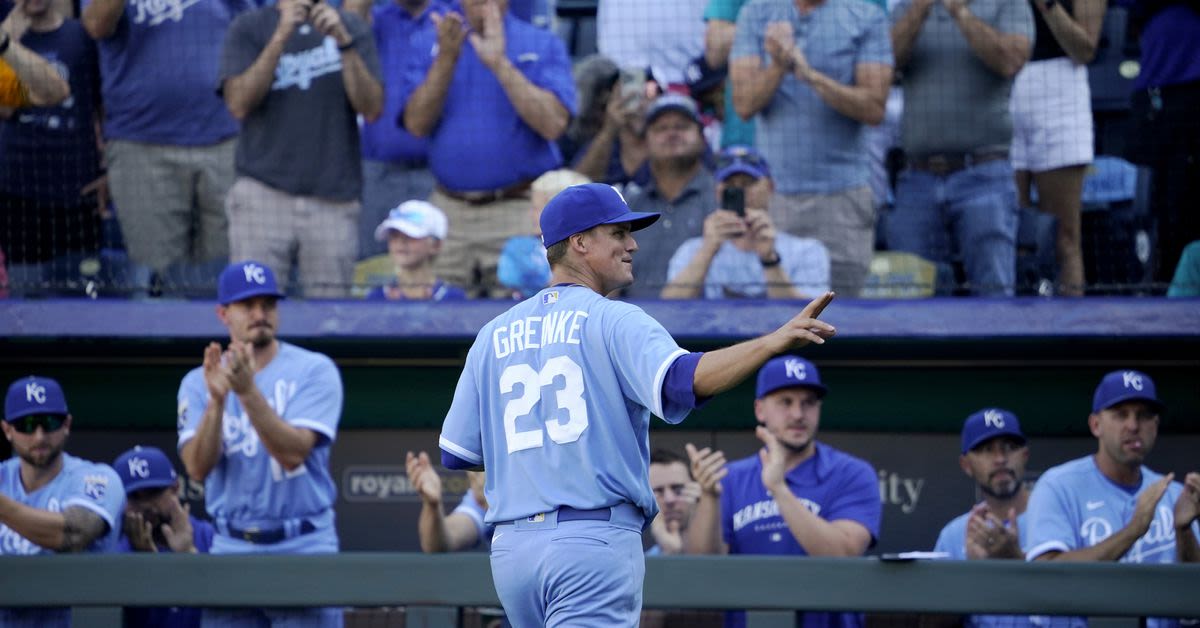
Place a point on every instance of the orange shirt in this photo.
(12, 91)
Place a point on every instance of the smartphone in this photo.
(633, 83)
(734, 200)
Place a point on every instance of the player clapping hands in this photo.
(988, 536)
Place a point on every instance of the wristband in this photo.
(772, 263)
(346, 47)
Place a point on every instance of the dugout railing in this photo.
(96, 586)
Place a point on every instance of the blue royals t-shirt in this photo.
(832, 484)
(49, 153)
(248, 488)
(170, 616)
(159, 67)
(555, 402)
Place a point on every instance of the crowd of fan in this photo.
(318, 139)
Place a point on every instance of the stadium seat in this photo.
(1117, 229)
(373, 271)
(896, 275)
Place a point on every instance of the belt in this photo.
(272, 536)
(946, 163)
(566, 513)
(514, 191)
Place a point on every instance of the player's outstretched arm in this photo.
(704, 529)
(723, 369)
(69, 531)
(438, 532)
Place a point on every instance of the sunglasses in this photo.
(742, 156)
(48, 422)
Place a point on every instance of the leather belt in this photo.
(519, 190)
(272, 536)
(941, 164)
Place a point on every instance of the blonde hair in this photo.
(555, 181)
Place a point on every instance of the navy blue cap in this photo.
(1127, 385)
(144, 467)
(988, 424)
(245, 279)
(741, 160)
(581, 207)
(788, 371)
(700, 77)
(34, 395)
(673, 102)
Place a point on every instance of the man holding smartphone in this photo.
(741, 255)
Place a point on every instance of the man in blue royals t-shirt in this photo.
(796, 496)
(50, 501)
(169, 140)
(1109, 506)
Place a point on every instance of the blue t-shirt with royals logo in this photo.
(1074, 506)
(80, 483)
(302, 138)
(248, 488)
(159, 67)
(49, 153)
(832, 484)
(170, 616)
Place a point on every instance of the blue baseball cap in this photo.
(144, 467)
(674, 102)
(789, 371)
(1127, 385)
(741, 160)
(34, 395)
(988, 424)
(246, 279)
(581, 207)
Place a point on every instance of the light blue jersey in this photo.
(248, 488)
(81, 483)
(555, 401)
(953, 541)
(1074, 506)
(470, 508)
(90, 485)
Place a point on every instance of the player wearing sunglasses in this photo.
(51, 501)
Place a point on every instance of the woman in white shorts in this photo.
(1052, 122)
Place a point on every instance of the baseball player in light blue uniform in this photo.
(256, 423)
(555, 402)
(84, 500)
(994, 454)
(1109, 506)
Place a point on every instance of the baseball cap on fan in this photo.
(415, 219)
(144, 467)
(988, 424)
(581, 207)
(245, 279)
(34, 395)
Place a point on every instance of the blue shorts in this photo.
(581, 573)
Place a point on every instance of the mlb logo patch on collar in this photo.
(550, 297)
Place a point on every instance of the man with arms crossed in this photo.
(555, 402)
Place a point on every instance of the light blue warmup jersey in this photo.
(469, 507)
(248, 488)
(90, 485)
(953, 541)
(81, 483)
(555, 401)
(1074, 506)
